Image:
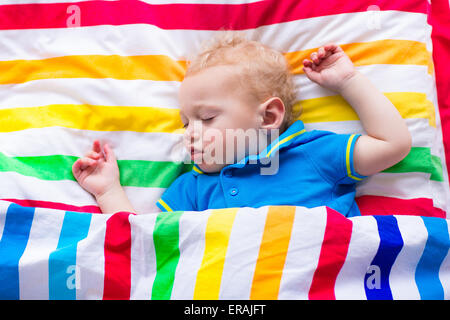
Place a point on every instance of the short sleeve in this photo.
(333, 157)
(181, 194)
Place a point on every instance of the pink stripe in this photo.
(338, 232)
(439, 18)
(117, 283)
(378, 205)
(185, 16)
(54, 205)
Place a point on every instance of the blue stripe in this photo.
(391, 244)
(436, 249)
(16, 231)
(63, 260)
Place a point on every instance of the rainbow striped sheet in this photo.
(71, 72)
(273, 252)
(75, 71)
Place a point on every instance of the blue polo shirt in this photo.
(315, 168)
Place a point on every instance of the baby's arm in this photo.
(114, 200)
(99, 175)
(388, 139)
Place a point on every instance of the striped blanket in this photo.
(74, 71)
(273, 252)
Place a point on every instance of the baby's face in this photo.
(213, 107)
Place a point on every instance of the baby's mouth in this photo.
(195, 153)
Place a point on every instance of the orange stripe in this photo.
(272, 253)
(148, 67)
(374, 52)
(164, 68)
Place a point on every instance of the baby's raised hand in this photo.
(95, 172)
(330, 67)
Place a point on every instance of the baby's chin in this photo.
(210, 167)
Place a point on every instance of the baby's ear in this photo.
(272, 112)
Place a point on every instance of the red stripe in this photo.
(117, 283)
(186, 16)
(338, 232)
(54, 205)
(440, 35)
(378, 205)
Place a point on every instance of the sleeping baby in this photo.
(247, 144)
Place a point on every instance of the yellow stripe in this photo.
(89, 117)
(160, 67)
(197, 170)
(285, 140)
(149, 67)
(153, 119)
(374, 52)
(336, 108)
(165, 205)
(209, 276)
(347, 158)
(272, 253)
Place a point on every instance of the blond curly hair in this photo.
(264, 70)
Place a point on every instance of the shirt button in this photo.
(234, 191)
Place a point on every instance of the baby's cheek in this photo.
(230, 149)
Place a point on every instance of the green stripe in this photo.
(436, 173)
(135, 173)
(160, 174)
(420, 159)
(166, 240)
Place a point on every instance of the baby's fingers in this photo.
(314, 57)
(83, 163)
(93, 155)
(76, 169)
(96, 146)
(307, 63)
(321, 53)
(109, 154)
(332, 48)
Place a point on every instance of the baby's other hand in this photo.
(330, 67)
(95, 172)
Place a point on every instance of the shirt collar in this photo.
(283, 141)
